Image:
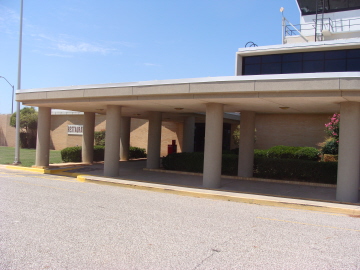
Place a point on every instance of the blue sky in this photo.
(79, 42)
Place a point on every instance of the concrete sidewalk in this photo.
(307, 196)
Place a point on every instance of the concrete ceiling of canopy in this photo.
(299, 93)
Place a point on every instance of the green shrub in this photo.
(308, 153)
(282, 151)
(260, 153)
(99, 137)
(136, 152)
(188, 162)
(331, 146)
(229, 164)
(71, 154)
(99, 152)
(296, 169)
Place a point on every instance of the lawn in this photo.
(27, 156)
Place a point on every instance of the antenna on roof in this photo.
(250, 44)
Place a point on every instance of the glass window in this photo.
(290, 57)
(292, 67)
(335, 65)
(252, 60)
(271, 68)
(251, 70)
(353, 64)
(354, 3)
(341, 54)
(353, 54)
(338, 4)
(271, 58)
(313, 66)
(310, 56)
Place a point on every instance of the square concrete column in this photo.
(87, 150)
(43, 137)
(347, 189)
(154, 140)
(125, 137)
(188, 134)
(246, 144)
(213, 145)
(112, 140)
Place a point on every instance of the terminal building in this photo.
(283, 91)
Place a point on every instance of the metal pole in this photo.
(17, 138)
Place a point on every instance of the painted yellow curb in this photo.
(225, 197)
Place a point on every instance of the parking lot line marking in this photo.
(21, 182)
(308, 224)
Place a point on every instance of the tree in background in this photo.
(28, 126)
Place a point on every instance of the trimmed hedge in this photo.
(136, 152)
(272, 168)
(73, 154)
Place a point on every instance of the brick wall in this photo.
(7, 133)
(290, 129)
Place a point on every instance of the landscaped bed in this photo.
(279, 162)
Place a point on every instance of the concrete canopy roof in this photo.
(301, 93)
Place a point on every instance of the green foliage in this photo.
(28, 119)
(136, 152)
(282, 151)
(236, 135)
(330, 146)
(28, 126)
(99, 137)
(273, 168)
(188, 162)
(99, 152)
(71, 154)
(307, 153)
(296, 169)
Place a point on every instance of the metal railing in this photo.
(334, 26)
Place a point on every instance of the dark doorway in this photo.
(199, 138)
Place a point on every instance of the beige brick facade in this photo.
(290, 129)
(271, 130)
(7, 133)
(139, 130)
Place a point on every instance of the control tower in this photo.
(322, 20)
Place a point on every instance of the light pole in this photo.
(12, 99)
(17, 138)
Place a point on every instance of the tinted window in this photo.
(252, 70)
(292, 67)
(310, 56)
(289, 57)
(335, 54)
(271, 58)
(353, 64)
(313, 66)
(335, 65)
(252, 60)
(272, 68)
(353, 54)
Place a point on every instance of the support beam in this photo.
(347, 189)
(213, 145)
(87, 151)
(154, 141)
(112, 141)
(188, 134)
(125, 138)
(246, 144)
(43, 137)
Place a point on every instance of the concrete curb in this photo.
(259, 199)
(329, 207)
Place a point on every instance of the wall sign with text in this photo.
(75, 129)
